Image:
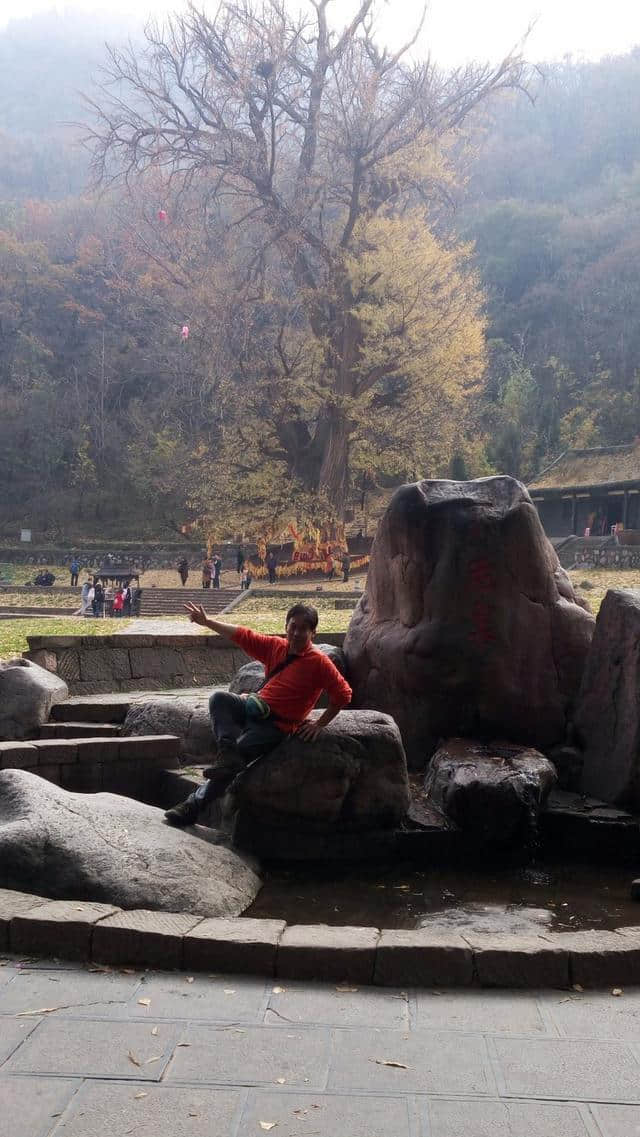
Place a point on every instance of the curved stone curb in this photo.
(82, 930)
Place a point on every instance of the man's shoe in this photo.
(185, 813)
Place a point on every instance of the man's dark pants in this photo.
(241, 739)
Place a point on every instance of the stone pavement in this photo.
(99, 1053)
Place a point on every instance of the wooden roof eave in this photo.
(597, 487)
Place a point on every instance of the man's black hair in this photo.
(308, 613)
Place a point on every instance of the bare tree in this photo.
(299, 132)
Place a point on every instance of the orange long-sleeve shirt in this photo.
(295, 690)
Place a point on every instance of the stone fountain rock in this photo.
(468, 626)
(113, 849)
(493, 792)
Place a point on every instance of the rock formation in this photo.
(353, 776)
(607, 716)
(27, 694)
(114, 849)
(468, 626)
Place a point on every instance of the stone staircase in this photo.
(171, 601)
(82, 749)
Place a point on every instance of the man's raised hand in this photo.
(197, 614)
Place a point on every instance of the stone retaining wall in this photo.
(612, 556)
(81, 930)
(132, 766)
(96, 665)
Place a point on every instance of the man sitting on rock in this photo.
(248, 726)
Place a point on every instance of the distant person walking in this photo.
(85, 601)
(118, 603)
(126, 600)
(346, 567)
(207, 573)
(98, 600)
(183, 570)
(74, 569)
(272, 564)
(239, 559)
(217, 569)
(245, 579)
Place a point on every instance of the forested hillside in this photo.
(112, 423)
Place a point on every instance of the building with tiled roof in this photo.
(591, 489)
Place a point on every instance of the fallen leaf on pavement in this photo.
(346, 990)
(278, 990)
(144, 1002)
(154, 1031)
(390, 1062)
(281, 1081)
(184, 1044)
(229, 990)
(132, 1058)
(577, 987)
(617, 991)
(156, 1058)
(39, 1011)
(127, 971)
(189, 978)
(142, 1094)
(268, 1124)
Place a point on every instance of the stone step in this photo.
(159, 749)
(83, 710)
(80, 730)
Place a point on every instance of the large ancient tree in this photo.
(320, 155)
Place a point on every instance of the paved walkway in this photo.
(99, 1053)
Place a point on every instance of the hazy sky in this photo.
(456, 29)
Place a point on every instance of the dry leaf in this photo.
(144, 1002)
(39, 1011)
(278, 990)
(281, 1081)
(189, 978)
(132, 1058)
(390, 1062)
(617, 991)
(184, 1044)
(346, 990)
(268, 1124)
(127, 971)
(193, 1113)
(229, 990)
(577, 987)
(142, 1094)
(156, 1058)
(155, 1031)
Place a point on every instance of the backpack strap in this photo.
(277, 669)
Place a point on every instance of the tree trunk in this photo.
(333, 480)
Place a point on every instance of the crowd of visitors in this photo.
(102, 600)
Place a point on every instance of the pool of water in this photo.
(546, 896)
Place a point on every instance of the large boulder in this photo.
(468, 626)
(250, 677)
(607, 718)
(113, 849)
(27, 694)
(492, 792)
(185, 716)
(353, 776)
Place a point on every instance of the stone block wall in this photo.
(96, 665)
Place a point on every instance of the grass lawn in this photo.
(49, 598)
(13, 633)
(600, 580)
